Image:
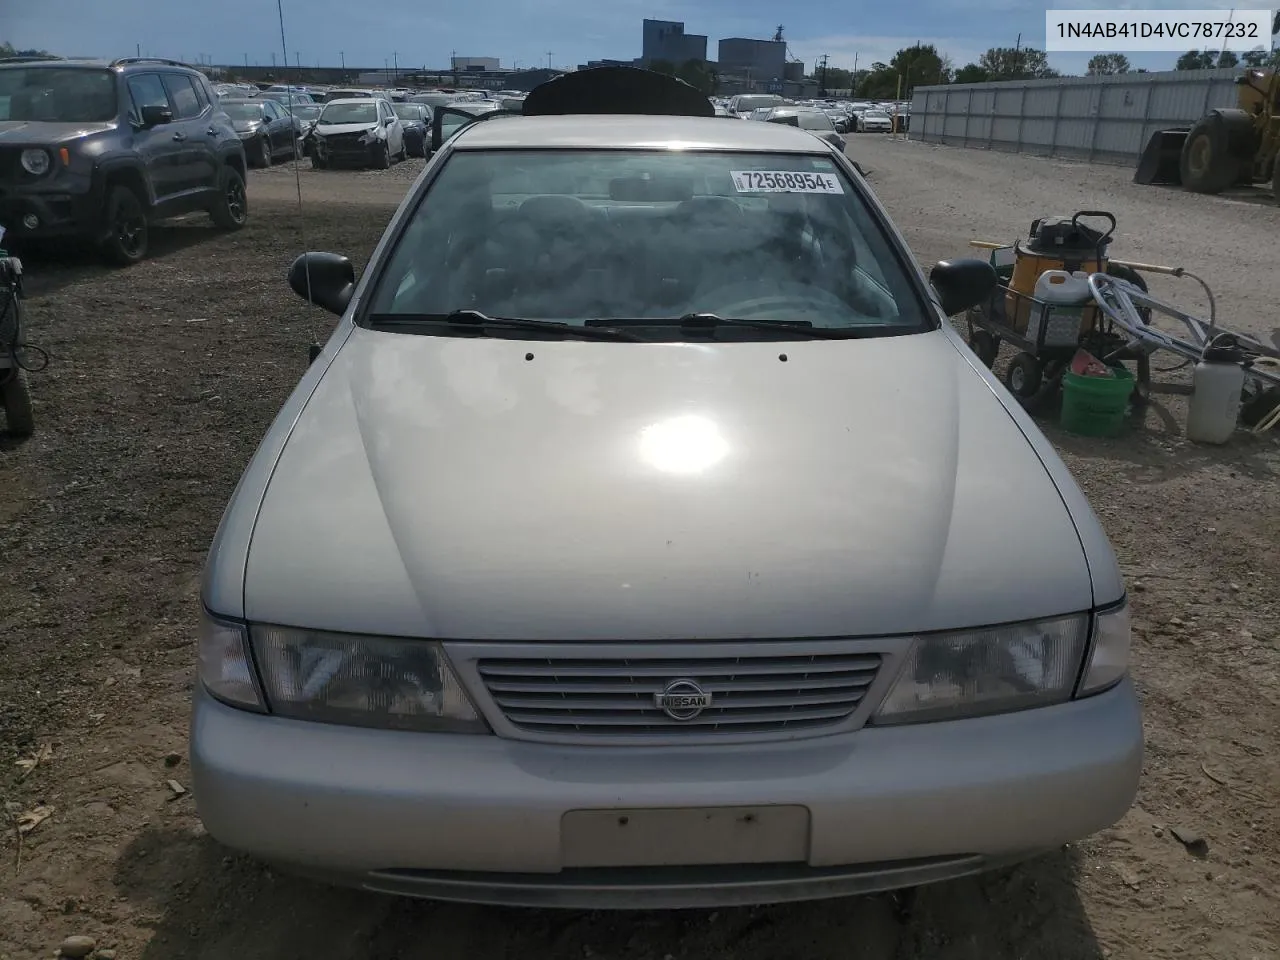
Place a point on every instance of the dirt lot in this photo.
(165, 376)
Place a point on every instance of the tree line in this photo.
(924, 65)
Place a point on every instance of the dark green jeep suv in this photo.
(97, 150)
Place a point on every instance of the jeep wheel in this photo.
(126, 227)
(15, 398)
(383, 160)
(264, 152)
(231, 209)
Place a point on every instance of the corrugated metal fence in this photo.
(1103, 119)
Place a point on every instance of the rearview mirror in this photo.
(155, 116)
(962, 284)
(326, 279)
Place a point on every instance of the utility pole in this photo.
(395, 59)
(343, 57)
(822, 84)
(137, 49)
(246, 61)
(1017, 60)
(549, 56)
(273, 60)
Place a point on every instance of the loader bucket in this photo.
(1161, 160)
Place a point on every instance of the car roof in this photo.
(609, 132)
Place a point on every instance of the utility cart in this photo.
(1043, 306)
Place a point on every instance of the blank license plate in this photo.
(690, 836)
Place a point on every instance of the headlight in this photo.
(225, 668)
(35, 162)
(956, 675)
(1109, 654)
(362, 681)
(369, 136)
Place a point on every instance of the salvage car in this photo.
(362, 132)
(416, 120)
(813, 120)
(646, 536)
(267, 129)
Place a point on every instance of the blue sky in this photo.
(521, 32)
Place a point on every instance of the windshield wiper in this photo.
(474, 319)
(709, 321)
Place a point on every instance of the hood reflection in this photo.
(683, 445)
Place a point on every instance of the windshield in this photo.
(755, 103)
(407, 111)
(57, 94)
(449, 122)
(813, 120)
(434, 99)
(574, 236)
(306, 111)
(366, 112)
(242, 111)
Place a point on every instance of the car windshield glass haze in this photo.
(408, 111)
(335, 113)
(243, 111)
(575, 236)
(747, 103)
(306, 111)
(811, 120)
(57, 94)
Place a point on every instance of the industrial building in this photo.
(758, 61)
(474, 64)
(666, 40)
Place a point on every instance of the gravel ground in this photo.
(165, 376)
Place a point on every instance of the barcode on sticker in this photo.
(784, 181)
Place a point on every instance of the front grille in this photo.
(750, 695)
(11, 165)
(346, 145)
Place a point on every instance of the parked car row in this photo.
(846, 116)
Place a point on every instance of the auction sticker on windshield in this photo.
(784, 181)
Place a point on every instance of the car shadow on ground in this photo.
(49, 267)
(208, 903)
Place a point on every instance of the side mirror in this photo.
(389, 121)
(962, 284)
(326, 279)
(155, 116)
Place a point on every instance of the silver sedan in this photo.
(644, 536)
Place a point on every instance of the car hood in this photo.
(333, 129)
(38, 133)
(476, 488)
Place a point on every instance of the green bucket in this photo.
(1095, 406)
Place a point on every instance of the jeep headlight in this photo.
(400, 684)
(951, 676)
(35, 162)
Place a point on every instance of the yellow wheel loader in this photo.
(1225, 147)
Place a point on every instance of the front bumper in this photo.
(67, 207)
(337, 151)
(484, 819)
